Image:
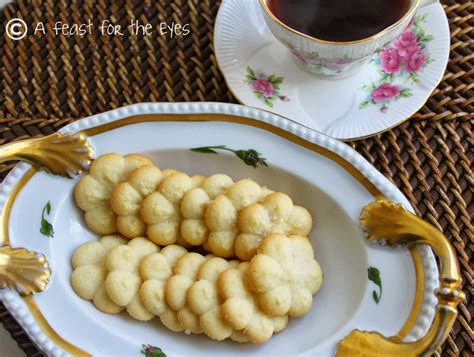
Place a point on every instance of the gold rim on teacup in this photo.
(408, 14)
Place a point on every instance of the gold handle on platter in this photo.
(64, 155)
(22, 270)
(384, 220)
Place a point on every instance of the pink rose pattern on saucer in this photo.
(399, 62)
(265, 87)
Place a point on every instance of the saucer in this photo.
(392, 86)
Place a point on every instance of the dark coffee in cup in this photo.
(339, 20)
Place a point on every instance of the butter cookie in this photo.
(92, 192)
(284, 275)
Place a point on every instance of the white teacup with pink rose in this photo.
(340, 58)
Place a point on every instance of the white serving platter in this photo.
(324, 175)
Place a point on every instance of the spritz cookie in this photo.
(177, 286)
(205, 301)
(161, 209)
(193, 207)
(276, 213)
(156, 269)
(90, 271)
(92, 192)
(127, 197)
(284, 275)
(124, 280)
(240, 308)
(222, 215)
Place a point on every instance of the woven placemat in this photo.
(49, 81)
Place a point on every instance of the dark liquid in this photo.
(339, 20)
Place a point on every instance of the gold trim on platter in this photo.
(57, 339)
(385, 221)
(240, 120)
(7, 207)
(418, 298)
(25, 271)
(49, 331)
(63, 155)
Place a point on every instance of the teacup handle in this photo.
(424, 3)
(384, 220)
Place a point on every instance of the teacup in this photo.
(336, 59)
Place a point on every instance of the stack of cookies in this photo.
(157, 226)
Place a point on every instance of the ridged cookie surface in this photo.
(90, 271)
(156, 269)
(275, 213)
(240, 308)
(124, 280)
(161, 209)
(193, 207)
(205, 301)
(92, 192)
(222, 215)
(177, 286)
(127, 197)
(284, 275)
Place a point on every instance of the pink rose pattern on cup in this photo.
(265, 87)
(400, 62)
(315, 63)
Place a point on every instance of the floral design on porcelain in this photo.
(399, 66)
(250, 157)
(152, 351)
(374, 276)
(46, 227)
(315, 63)
(265, 87)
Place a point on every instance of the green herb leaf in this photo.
(46, 228)
(374, 276)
